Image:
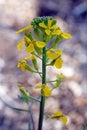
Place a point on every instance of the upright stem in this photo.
(42, 103)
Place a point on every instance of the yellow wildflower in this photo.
(53, 53)
(45, 90)
(63, 34)
(24, 29)
(32, 43)
(22, 64)
(56, 32)
(58, 63)
(64, 120)
(59, 115)
(49, 27)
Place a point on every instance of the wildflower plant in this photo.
(45, 29)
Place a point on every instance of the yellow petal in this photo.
(19, 45)
(29, 57)
(47, 31)
(58, 52)
(26, 39)
(40, 44)
(49, 23)
(18, 65)
(21, 64)
(38, 86)
(51, 54)
(54, 27)
(57, 32)
(22, 67)
(66, 35)
(30, 48)
(58, 63)
(42, 25)
(64, 120)
(57, 115)
(24, 29)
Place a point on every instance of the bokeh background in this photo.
(71, 97)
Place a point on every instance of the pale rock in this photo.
(75, 88)
(68, 71)
(2, 63)
(58, 125)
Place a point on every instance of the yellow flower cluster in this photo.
(30, 44)
(54, 30)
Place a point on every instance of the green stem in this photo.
(31, 115)
(15, 108)
(42, 103)
(35, 99)
(51, 81)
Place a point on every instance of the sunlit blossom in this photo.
(45, 90)
(49, 27)
(22, 64)
(59, 115)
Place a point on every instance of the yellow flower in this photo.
(56, 32)
(22, 64)
(58, 63)
(64, 120)
(45, 90)
(24, 29)
(63, 34)
(59, 115)
(20, 44)
(32, 43)
(53, 53)
(49, 27)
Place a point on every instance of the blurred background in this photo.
(71, 96)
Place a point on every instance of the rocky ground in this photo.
(72, 94)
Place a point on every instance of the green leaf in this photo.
(38, 34)
(56, 42)
(23, 98)
(24, 92)
(34, 61)
(38, 50)
(58, 82)
(29, 68)
(29, 35)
